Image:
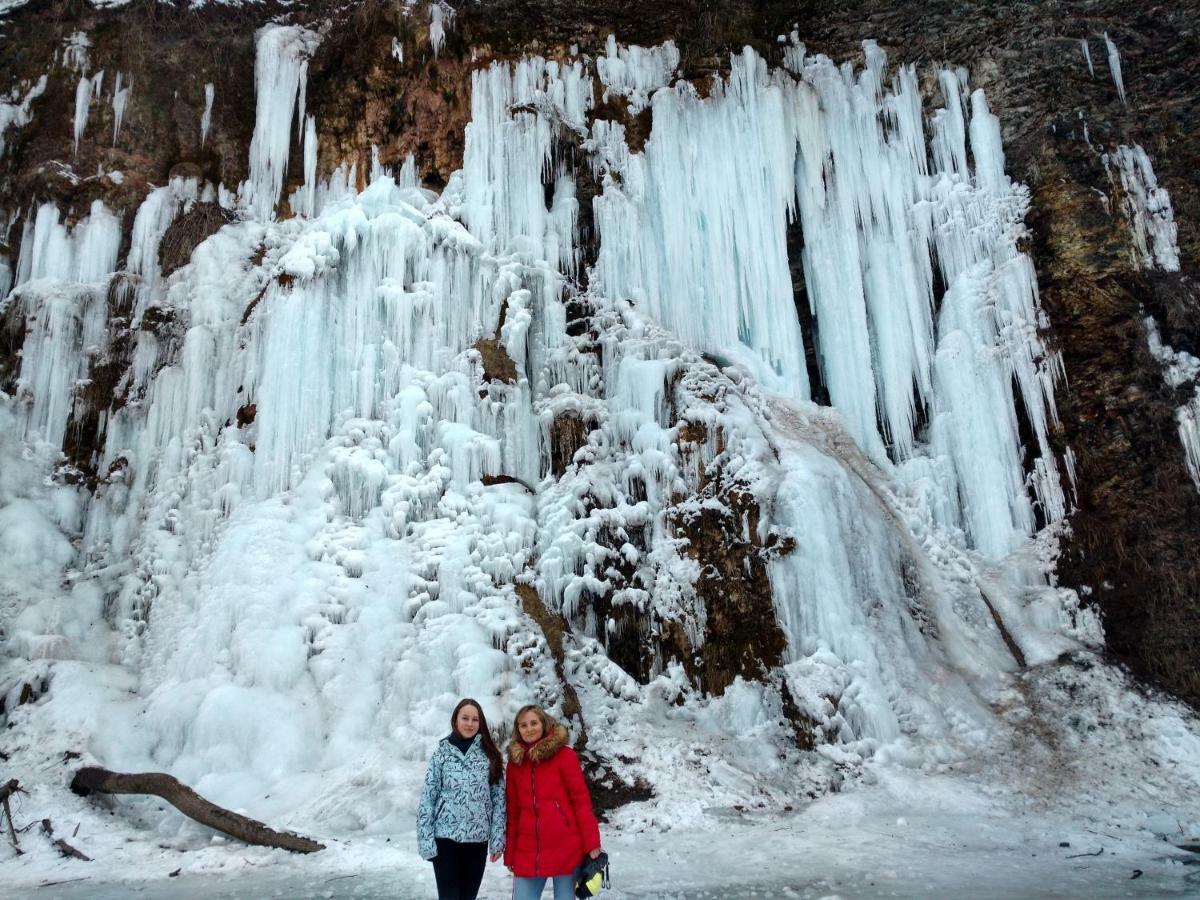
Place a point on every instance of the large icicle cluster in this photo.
(847, 159)
(350, 441)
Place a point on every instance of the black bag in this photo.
(591, 876)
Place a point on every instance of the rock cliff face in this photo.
(374, 82)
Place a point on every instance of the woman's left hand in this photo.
(595, 853)
(495, 856)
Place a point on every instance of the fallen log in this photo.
(93, 779)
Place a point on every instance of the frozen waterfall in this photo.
(339, 455)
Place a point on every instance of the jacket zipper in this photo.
(537, 838)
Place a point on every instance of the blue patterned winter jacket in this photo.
(457, 802)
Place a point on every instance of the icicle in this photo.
(505, 154)
(83, 97)
(206, 117)
(279, 68)
(407, 178)
(794, 53)
(378, 169)
(1087, 55)
(1114, 66)
(120, 99)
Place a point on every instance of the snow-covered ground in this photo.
(905, 837)
(1082, 791)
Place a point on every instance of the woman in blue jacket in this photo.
(462, 804)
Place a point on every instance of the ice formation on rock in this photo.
(1148, 209)
(1153, 245)
(16, 114)
(1087, 56)
(1181, 370)
(441, 15)
(349, 441)
(75, 51)
(876, 218)
(636, 72)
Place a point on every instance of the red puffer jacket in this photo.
(551, 825)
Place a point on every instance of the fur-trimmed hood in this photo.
(542, 750)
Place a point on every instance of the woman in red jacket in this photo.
(551, 826)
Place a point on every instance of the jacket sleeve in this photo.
(581, 801)
(510, 818)
(496, 833)
(427, 810)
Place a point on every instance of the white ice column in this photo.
(694, 228)
(988, 341)
(515, 112)
(867, 240)
(206, 116)
(63, 297)
(280, 70)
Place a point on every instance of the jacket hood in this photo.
(542, 750)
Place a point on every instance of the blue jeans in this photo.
(531, 888)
